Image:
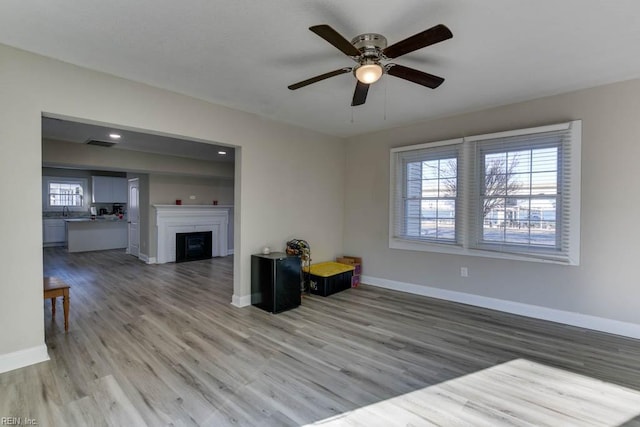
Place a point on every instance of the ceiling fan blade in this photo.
(426, 38)
(415, 76)
(360, 94)
(333, 37)
(319, 78)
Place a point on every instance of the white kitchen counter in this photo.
(85, 234)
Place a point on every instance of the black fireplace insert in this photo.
(193, 246)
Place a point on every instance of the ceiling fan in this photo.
(371, 52)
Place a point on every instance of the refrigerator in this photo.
(275, 281)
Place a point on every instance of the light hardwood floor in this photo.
(161, 345)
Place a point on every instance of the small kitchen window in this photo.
(64, 193)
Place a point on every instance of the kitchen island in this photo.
(85, 234)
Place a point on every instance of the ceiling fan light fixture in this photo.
(369, 50)
(369, 73)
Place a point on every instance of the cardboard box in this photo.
(356, 262)
(355, 281)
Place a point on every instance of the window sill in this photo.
(451, 249)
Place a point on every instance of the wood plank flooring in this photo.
(161, 345)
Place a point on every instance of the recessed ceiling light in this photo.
(222, 152)
(114, 136)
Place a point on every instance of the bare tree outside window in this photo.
(451, 185)
(499, 180)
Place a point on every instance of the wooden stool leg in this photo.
(65, 305)
(53, 308)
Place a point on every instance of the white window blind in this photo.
(514, 195)
(426, 185)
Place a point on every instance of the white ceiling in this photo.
(244, 53)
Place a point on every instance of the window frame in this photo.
(447, 153)
(47, 180)
(527, 146)
(469, 220)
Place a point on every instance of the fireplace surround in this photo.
(174, 219)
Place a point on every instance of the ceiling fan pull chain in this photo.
(385, 99)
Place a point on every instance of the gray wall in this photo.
(605, 284)
(269, 155)
(166, 189)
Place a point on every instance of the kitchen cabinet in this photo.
(54, 232)
(96, 235)
(109, 189)
(120, 190)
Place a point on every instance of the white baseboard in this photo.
(631, 330)
(21, 358)
(241, 301)
(146, 258)
(229, 251)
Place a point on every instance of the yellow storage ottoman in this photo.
(329, 277)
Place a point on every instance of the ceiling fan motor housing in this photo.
(370, 44)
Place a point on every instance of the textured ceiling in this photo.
(244, 53)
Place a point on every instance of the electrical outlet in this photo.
(192, 197)
(464, 272)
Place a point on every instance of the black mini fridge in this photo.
(275, 281)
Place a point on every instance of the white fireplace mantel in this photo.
(172, 219)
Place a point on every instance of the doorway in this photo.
(133, 220)
(159, 169)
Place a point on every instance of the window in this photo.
(520, 195)
(509, 195)
(62, 193)
(429, 194)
